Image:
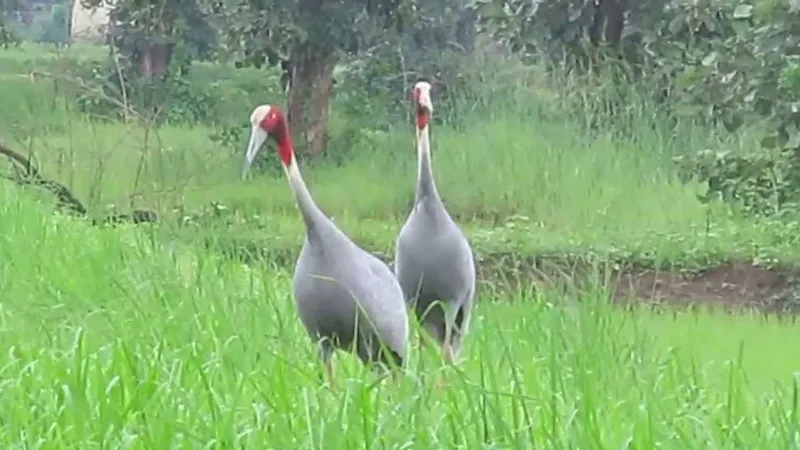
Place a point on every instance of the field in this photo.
(184, 335)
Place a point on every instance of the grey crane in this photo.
(346, 297)
(433, 260)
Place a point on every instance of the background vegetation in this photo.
(656, 134)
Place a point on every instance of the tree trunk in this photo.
(154, 59)
(614, 10)
(310, 91)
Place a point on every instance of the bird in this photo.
(433, 260)
(346, 297)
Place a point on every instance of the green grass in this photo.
(126, 337)
(116, 340)
(521, 177)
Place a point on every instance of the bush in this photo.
(207, 94)
(55, 28)
(751, 76)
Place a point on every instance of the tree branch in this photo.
(25, 173)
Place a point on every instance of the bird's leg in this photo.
(329, 373)
(447, 352)
(326, 355)
(447, 342)
(447, 356)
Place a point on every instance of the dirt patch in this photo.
(730, 286)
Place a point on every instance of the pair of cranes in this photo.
(349, 299)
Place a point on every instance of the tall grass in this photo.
(524, 163)
(116, 340)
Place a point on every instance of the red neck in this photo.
(422, 119)
(285, 146)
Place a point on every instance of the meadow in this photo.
(156, 337)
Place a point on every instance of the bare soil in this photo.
(730, 286)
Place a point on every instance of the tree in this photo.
(146, 33)
(153, 43)
(55, 30)
(7, 35)
(307, 38)
(438, 47)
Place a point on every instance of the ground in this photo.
(729, 286)
(184, 334)
(732, 285)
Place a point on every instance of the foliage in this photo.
(209, 94)
(137, 25)
(143, 336)
(43, 21)
(604, 44)
(438, 47)
(7, 35)
(55, 28)
(373, 84)
(307, 39)
(718, 62)
(25, 173)
(762, 183)
(183, 337)
(271, 33)
(567, 31)
(751, 75)
(154, 45)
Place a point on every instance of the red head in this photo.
(269, 121)
(423, 106)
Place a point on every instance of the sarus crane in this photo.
(346, 297)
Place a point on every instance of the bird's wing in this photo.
(381, 297)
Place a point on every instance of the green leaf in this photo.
(687, 110)
(769, 142)
(675, 25)
(710, 59)
(743, 11)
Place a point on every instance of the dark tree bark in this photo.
(607, 22)
(310, 91)
(614, 12)
(25, 173)
(152, 59)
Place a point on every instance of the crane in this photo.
(434, 261)
(346, 297)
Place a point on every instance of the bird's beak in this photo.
(257, 138)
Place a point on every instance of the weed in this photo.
(154, 338)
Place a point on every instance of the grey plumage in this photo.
(434, 261)
(346, 297)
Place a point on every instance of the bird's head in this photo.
(268, 121)
(423, 106)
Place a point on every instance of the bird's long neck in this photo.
(312, 215)
(426, 186)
